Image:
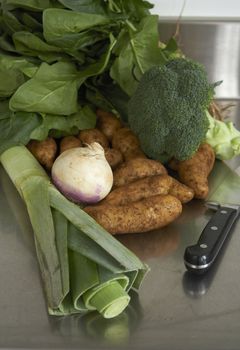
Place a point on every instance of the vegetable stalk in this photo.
(83, 267)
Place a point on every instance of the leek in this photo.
(83, 267)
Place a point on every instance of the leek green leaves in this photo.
(83, 267)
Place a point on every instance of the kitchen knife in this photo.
(224, 198)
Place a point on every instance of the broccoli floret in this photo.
(168, 109)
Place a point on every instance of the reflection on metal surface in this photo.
(94, 327)
(152, 244)
(217, 46)
(116, 331)
(197, 286)
(224, 184)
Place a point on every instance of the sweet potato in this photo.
(135, 169)
(114, 157)
(182, 192)
(69, 142)
(139, 189)
(44, 151)
(89, 136)
(194, 171)
(127, 143)
(134, 153)
(107, 123)
(145, 215)
(173, 164)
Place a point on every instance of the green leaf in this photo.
(16, 62)
(61, 236)
(29, 71)
(30, 22)
(60, 22)
(84, 275)
(11, 76)
(53, 90)
(118, 99)
(223, 137)
(5, 112)
(100, 65)
(30, 44)
(135, 9)
(171, 46)
(144, 44)
(6, 43)
(78, 41)
(137, 54)
(122, 70)
(60, 126)
(109, 97)
(15, 128)
(10, 80)
(11, 23)
(87, 6)
(33, 5)
(35, 192)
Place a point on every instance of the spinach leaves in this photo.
(15, 128)
(52, 89)
(58, 57)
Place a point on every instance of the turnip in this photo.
(83, 174)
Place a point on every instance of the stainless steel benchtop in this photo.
(174, 310)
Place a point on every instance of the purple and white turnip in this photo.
(83, 174)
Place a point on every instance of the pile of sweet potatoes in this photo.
(144, 197)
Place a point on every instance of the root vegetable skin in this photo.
(138, 190)
(127, 143)
(114, 157)
(135, 169)
(173, 164)
(194, 171)
(135, 153)
(82, 174)
(148, 187)
(107, 123)
(141, 216)
(184, 193)
(44, 151)
(90, 136)
(69, 142)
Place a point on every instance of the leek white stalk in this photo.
(83, 267)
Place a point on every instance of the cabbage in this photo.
(223, 137)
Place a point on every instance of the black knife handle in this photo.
(199, 257)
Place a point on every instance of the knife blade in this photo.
(224, 199)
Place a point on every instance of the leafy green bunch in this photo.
(61, 59)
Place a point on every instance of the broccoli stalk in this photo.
(168, 109)
(223, 137)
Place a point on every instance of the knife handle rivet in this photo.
(203, 245)
(223, 212)
(214, 228)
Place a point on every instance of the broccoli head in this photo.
(168, 109)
